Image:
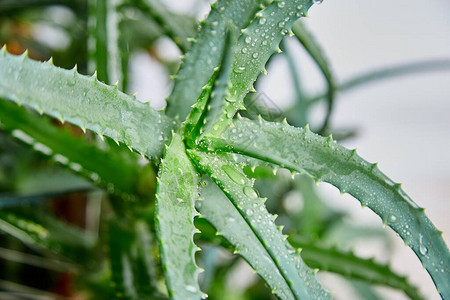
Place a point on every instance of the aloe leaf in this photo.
(217, 209)
(175, 211)
(73, 152)
(229, 176)
(205, 54)
(139, 32)
(132, 265)
(364, 290)
(318, 55)
(254, 48)
(324, 160)
(206, 110)
(106, 44)
(300, 108)
(85, 102)
(178, 28)
(386, 73)
(219, 93)
(98, 38)
(196, 118)
(43, 231)
(349, 265)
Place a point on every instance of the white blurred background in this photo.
(403, 123)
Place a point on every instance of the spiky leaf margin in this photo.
(323, 159)
(84, 102)
(176, 194)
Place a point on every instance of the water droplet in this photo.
(94, 177)
(191, 288)
(234, 174)
(248, 39)
(76, 167)
(422, 249)
(250, 192)
(244, 50)
(281, 4)
(284, 31)
(239, 69)
(249, 212)
(392, 218)
(262, 21)
(179, 200)
(42, 148)
(255, 55)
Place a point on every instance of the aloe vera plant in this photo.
(186, 178)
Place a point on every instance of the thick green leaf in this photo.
(178, 28)
(217, 209)
(175, 212)
(229, 176)
(85, 102)
(351, 266)
(205, 54)
(139, 32)
(254, 48)
(302, 151)
(219, 93)
(318, 55)
(45, 232)
(132, 264)
(106, 45)
(196, 118)
(73, 152)
(300, 108)
(206, 110)
(364, 290)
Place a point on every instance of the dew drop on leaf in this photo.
(234, 175)
(392, 218)
(191, 288)
(250, 192)
(422, 249)
(239, 69)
